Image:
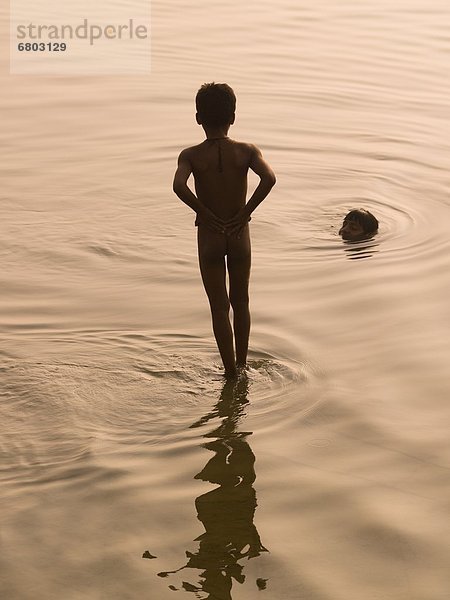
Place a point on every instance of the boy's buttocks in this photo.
(214, 246)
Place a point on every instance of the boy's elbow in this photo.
(177, 187)
(271, 179)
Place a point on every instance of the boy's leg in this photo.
(211, 254)
(239, 263)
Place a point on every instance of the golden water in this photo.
(117, 435)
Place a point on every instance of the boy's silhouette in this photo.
(220, 166)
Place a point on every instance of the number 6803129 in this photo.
(42, 46)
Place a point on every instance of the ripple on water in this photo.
(409, 228)
(105, 389)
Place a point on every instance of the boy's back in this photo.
(220, 167)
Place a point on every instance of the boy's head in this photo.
(358, 224)
(215, 103)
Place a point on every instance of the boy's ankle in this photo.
(231, 373)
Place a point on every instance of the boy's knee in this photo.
(239, 301)
(219, 306)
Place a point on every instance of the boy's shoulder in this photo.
(246, 146)
(192, 151)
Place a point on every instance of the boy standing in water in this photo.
(220, 166)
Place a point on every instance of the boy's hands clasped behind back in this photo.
(236, 224)
(231, 227)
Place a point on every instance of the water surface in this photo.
(322, 475)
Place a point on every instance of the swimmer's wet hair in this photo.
(363, 217)
(215, 103)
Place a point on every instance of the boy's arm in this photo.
(267, 181)
(181, 189)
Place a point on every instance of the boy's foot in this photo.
(231, 374)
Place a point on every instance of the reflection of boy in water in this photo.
(227, 511)
(359, 224)
(220, 166)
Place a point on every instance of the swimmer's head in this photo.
(358, 224)
(216, 104)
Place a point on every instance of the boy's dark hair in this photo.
(363, 217)
(215, 103)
